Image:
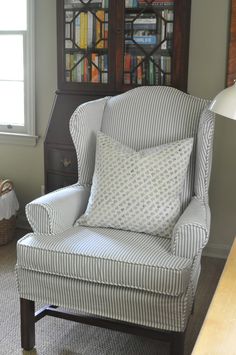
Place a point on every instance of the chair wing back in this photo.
(145, 117)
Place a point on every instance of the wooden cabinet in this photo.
(106, 47)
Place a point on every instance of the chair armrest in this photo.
(57, 211)
(191, 232)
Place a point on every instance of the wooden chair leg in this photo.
(27, 309)
(177, 344)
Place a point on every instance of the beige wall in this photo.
(207, 64)
(207, 70)
(24, 165)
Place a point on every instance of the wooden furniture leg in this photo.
(27, 309)
(29, 318)
(177, 344)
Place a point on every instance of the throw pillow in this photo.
(137, 191)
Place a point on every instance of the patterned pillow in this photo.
(137, 191)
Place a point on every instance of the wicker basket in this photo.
(7, 226)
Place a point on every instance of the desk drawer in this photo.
(62, 160)
(56, 181)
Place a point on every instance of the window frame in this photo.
(25, 134)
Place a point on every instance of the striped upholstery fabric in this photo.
(126, 276)
(107, 256)
(142, 118)
(84, 124)
(191, 232)
(120, 303)
(49, 214)
(204, 154)
(151, 116)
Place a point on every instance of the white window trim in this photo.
(28, 137)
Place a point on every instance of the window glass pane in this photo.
(13, 15)
(12, 103)
(11, 58)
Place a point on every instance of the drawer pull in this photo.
(66, 162)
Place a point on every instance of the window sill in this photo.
(18, 139)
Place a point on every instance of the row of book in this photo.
(86, 29)
(142, 37)
(137, 3)
(150, 29)
(139, 71)
(85, 69)
(70, 4)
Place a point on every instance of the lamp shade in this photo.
(225, 102)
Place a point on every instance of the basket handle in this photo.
(5, 186)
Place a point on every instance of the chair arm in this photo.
(57, 211)
(191, 232)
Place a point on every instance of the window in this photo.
(17, 92)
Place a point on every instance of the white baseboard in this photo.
(217, 250)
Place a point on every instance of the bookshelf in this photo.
(106, 47)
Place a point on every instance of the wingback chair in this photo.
(114, 278)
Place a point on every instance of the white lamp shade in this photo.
(225, 102)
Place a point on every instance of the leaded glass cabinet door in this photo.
(155, 39)
(85, 60)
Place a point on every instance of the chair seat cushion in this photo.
(107, 256)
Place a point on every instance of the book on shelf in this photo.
(94, 69)
(127, 68)
(131, 3)
(167, 29)
(151, 73)
(90, 30)
(100, 15)
(80, 68)
(136, 3)
(105, 4)
(85, 30)
(156, 2)
(106, 31)
(140, 23)
(139, 70)
(165, 65)
(101, 74)
(77, 30)
(141, 39)
(70, 4)
(104, 68)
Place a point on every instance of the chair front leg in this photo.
(177, 344)
(27, 309)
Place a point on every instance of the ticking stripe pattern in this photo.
(191, 232)
(150, 116)
(142, 118)
(120, 303)
(126, 276)
(204, 154)
(108, 256)
(50, 214)
(84, 123)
